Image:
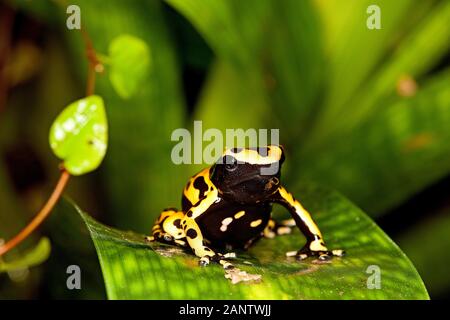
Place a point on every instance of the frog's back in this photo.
(197, 188)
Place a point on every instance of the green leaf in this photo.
(79, 135)
(134, 269)
(129, 59)
(392, 155)
(350, 45)
(34, 257)
(275, 51)
(234, 85)
(232, 28)
(414, 56)
(224, 96)
(296, 66)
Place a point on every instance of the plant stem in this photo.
(94, 66)
(40, 217)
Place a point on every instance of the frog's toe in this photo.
(222, 259)
(338, 252)
(226, 264)
(168, 238)
(322, 255)
(218, 258)
(230, 255)
(204, 261)
(163, 237)
(301, 256)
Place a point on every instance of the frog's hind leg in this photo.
(275, 228)
(168, 228)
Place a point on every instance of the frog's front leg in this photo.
(195, 240)
(194, 235)
(315, 245)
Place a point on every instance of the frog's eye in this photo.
(230, 163)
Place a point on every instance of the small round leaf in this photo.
(129, 59)
(79, 135)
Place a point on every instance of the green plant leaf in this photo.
(224, 96)
(134, 269)
(282, 60)
(350, 45)
(234, 84)
(392, 155)
(129, 60)
(34, 257)
(414, 56)
(79, 135)
(295, 67)
(232, 28)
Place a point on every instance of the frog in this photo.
(229, 206)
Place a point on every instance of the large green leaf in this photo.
(224, 97)
(295, 66)
(392, 155)
(276, 54)
(234, 85)
(135, 269)
(232, 28)
(413, 56)
(352, 49)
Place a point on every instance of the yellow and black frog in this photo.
(229, 204)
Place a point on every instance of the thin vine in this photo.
(94, 67)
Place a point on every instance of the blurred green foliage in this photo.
(365, 112)
(29, 259)
(129, 63)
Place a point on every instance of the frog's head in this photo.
(248, 175)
